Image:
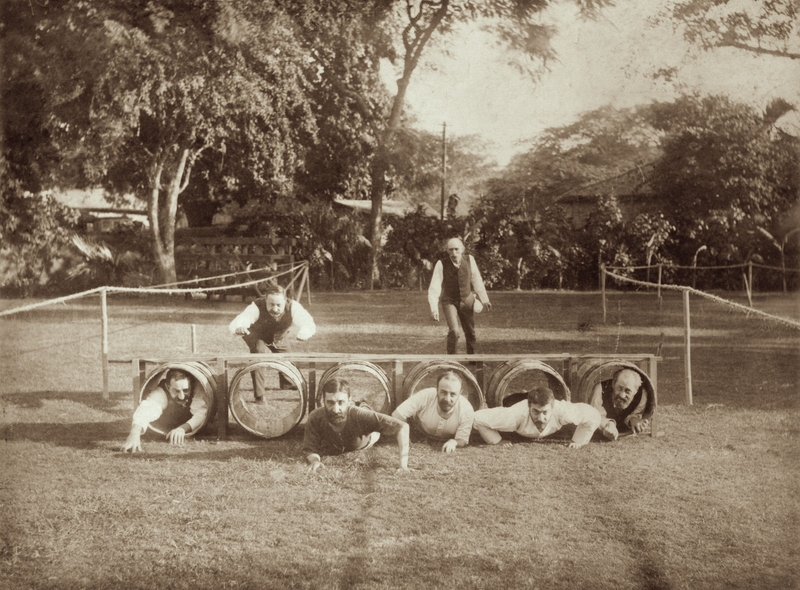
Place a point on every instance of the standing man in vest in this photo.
(264, 324)
(457, 284)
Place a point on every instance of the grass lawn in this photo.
(711, 503)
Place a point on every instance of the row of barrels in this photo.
(284, 401)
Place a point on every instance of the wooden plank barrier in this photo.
(397, 366)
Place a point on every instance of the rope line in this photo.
(743, 265)
(733, 304)
(112, 290)
(233, 274)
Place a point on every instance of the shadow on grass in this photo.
(90, 399)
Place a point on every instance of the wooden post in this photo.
(397, 382)
(194, 338)
(603, 288)
(748, 287)
(302, 285)
(223, 399)
(750, 282)
(308, 284)
(687, 348)
(104, 353)
(659, 286)
(652, 372)
(137, 377)
(312, 387)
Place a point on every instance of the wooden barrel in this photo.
(283, 407)
(425, 375)
(201, 373)
(368, 383)
(511, 381)
(594, 371)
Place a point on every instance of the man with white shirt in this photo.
(538, 416)
(176, 406)
(264, 324)
(440, 412)
(457, 284)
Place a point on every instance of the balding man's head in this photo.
(626, 384)
(455, 249)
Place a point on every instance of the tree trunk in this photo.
(378, 189)
(162, 214)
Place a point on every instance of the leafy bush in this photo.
(36, 232)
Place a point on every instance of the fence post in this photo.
(603, 288)
(104, 352)
(194, 338)
(659, 286)
(750, 275)
(687, 348)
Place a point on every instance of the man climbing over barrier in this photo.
(622, 403)
(178, 405)
(456, 283)
(538, 416)
(440, 412)
(263, 325)
(341, 427)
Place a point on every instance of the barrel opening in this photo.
(202, 381)
(511, 381)
(268, 398)
(368, 383)
(594, 372)
(426, 374)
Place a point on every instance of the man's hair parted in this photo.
(336, 385)
(273, 288)
(540, 396)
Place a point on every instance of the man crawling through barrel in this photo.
(623, 404)
(178, 406)
(340, 426)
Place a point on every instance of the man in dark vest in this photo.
(457, 284)
(623, 404)
(264, 324)
(177, 406)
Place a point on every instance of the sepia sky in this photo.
(607, 61)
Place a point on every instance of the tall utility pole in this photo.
(444, 169)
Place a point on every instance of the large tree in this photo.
(726, 170)
(764, 27)
(402, 30)
(135, 93)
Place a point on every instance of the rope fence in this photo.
(746, 276)
(686, 291)
(297, 271)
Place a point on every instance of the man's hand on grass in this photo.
(449, 446)
(176, 436)
(133, 443)
(637, 424)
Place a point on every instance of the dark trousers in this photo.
(259, 346)
(453, 312)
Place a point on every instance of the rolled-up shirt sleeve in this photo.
(408, 408)
(586, 419)
(596, 401)
(150, 409)
(465, 425)
(638, 411)
(370, 421)
(477, 281)
(198, 408)
(435, 288)
(303, 320)
(245, 319)
(490, 422)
